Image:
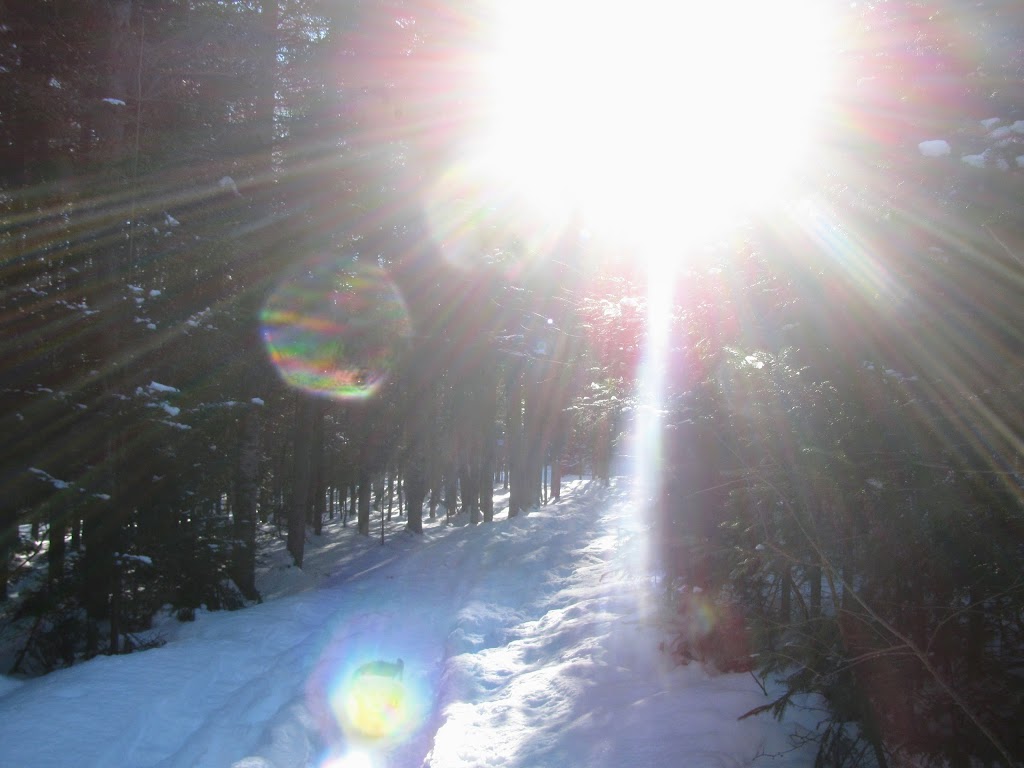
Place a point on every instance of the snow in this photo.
(529, 642)
(227, 183)
(158, 387)
(990, 122)
(134, 558)
(115, 102)
(44, 475)
(171, 410)
(977, 161)
(934, 148)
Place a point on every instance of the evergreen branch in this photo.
(912, 648)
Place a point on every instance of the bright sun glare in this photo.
(653, 116)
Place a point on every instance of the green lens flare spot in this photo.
(374, 708)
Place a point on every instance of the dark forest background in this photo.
(842, 433)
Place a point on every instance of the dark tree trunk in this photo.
(451, 491)
(102, 525)
(365, 491)
(470, 493)
(8, 537)
(277, 490)
(243, 561)
(302, 476)
(415, 483)
(57, 532)
(378, 491)
(532, 445)
(556, 478)
(97, 572)
(316, 510)
(488, 440)
(401, 492)
(514, 444)
(814, 576)
(975, 632)
(786, 597)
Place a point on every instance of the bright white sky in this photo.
(531, 642)
(656, 119)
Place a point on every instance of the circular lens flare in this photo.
(335, 329)
(372, 707)
(474, 220)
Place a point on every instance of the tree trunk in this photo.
(378, 491)
(786, 597)
(514, 441)
(363, 508)
(243, 561)
(451, 491)
(814, 576)
(316, 510)
(415, 483)
(975, 632)
(8, 538)
(470, 492)
(302, 476)
(532, 444)
(102, 525)
(391, 492)
(557, 447)
(55, 555)
(488, 439)
(401, 492)
(97, 571)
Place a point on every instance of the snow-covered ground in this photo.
(532, 642)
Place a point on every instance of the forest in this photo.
(243, 291)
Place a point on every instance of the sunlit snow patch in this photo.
(356, 759)
(934, 148)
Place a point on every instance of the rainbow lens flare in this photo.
(372, 708)
(335, 329)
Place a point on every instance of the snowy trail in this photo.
(531, 642)
(444, 595)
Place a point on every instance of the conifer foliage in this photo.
(225, 315)
(237, 298)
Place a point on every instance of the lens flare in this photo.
(349, 760)
(475, 218)
(335, 329)
(362, 703)
(372, 707)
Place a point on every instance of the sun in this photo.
(653, 118)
